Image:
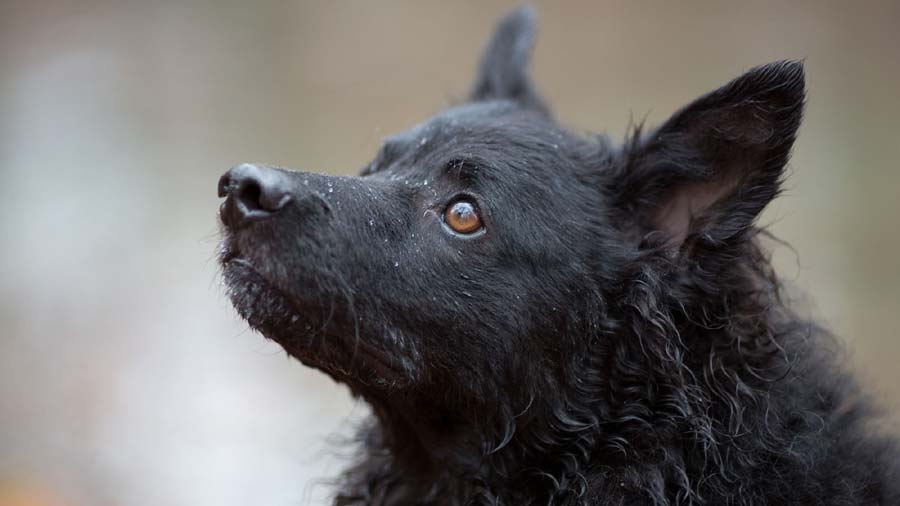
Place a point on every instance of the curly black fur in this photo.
(614, 335)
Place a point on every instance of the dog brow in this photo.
(463, 169)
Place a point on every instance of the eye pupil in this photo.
(462, 217)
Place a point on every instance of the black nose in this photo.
(253, 192)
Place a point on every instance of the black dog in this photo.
(539, 317)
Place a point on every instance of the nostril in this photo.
(250, 193)
(254, 192)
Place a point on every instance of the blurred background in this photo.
(125, 376)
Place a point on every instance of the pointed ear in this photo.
(705, 175)
(503, 72)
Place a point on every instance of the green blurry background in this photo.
(125, 376)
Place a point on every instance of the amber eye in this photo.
(462, 217)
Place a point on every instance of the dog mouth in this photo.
(319, 337)
(264, 306)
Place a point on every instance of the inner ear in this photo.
(687, 202)
(732, 143)
(707, 172)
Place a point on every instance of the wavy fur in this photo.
(614, 335)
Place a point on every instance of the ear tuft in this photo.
(707, 172)
(503, 72)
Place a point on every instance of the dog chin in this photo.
(264, 307)
(276, 316)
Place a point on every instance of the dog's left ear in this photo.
(503, 72)
(705, 175)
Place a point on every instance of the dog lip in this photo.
(229, 250)
(235, 258)
(230, 207)
(239, 260)
(225, 215)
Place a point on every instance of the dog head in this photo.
(487, 249)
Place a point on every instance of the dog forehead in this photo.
(457, 124)
(478, 142)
